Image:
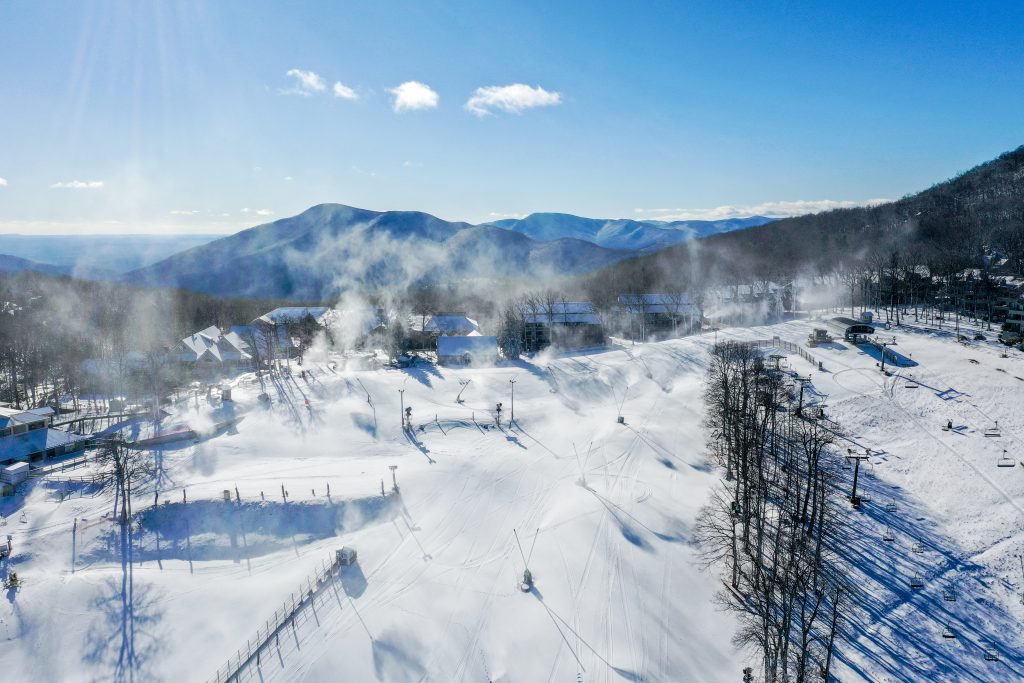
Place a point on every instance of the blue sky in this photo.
(149, 117)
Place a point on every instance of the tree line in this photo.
(50, 324)
(772, 525)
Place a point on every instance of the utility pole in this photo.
(512, 417)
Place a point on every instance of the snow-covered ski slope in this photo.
(605, 512)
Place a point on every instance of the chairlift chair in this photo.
(949, 594)
(888, 536)
(917, 547)
(1005, 461)
(890, 507)
(947, 632)
(916, 582)
(993, 431)
(991, 655)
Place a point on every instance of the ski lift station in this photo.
(851, 330)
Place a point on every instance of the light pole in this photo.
(512, 418)
(401, 399)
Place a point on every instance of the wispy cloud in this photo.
(78, 185)
(288, 177)
(497, 214)
(3, 182)
(513, 98)
(306, 83)
(183, 212)
(264, 212)
(780, 209)
(413, 95)
(343, 91)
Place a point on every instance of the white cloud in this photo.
(510, 98)
(780, 209)
(3, 182)
(306, 83)
(183, 212)
(288, 177)
(413, 95)
(245, 210)
(344, 92)
(264, 212)
(78, 185)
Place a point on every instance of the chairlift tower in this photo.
(856, 458)
(804, 381)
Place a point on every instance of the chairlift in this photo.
(949, 594)
(890, 507)
(916, 582)
(948, 633)
(993, 431)
(1005, 461)
(888, 536)
(990, 654)
(917, 547)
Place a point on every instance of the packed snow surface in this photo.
(604, 512)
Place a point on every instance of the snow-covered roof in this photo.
(293, 314)
(475, 346)
(657, 303)
(14, 416)
(561, 312)
(212, 345)
(23, 446)
(451, 324)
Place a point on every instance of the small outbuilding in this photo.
(850, 330)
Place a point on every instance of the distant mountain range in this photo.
(623, 233)
(15, 264)
(331, 248)
(95, 256)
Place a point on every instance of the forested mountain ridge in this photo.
(952, 225)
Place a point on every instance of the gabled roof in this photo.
(211, 345)
(293, 314)
(451, 324)
(13, 416)
(23, 446)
